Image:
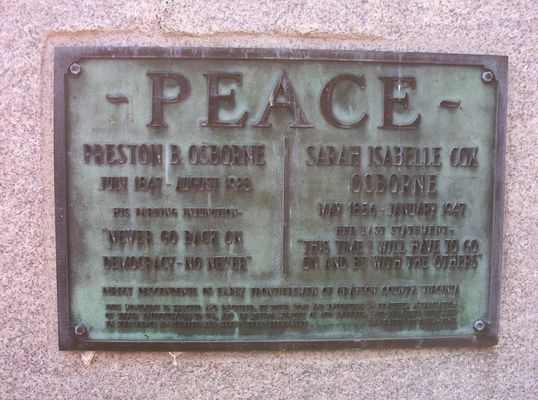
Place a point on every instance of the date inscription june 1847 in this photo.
(249, 198)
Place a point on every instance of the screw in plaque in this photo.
(75, 69)
(487, 76)
(479, 325)
(80, 330)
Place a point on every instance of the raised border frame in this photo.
(65, 56)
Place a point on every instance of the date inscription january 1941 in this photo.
(248, 198)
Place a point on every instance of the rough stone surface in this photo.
(31, 365)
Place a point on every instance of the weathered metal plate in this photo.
(236, 198)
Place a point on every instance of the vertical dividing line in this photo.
(285, 207)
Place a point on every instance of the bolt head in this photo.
(80, 330)
(487, 76)
(479, 326)
(75, 69)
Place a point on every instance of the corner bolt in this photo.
(75, 69)
(487, 76)
(80, 330)
(479, 325)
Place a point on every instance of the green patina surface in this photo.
(91, 119)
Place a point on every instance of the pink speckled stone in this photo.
(31, 365)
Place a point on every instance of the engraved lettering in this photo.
(122, 237)
(329, 155)
(114, 183)
(464, 157)
(214, 98)
(389, 84)
(403, 184)
(326, 101)
(330, 209)
(400, 156)
(197, 184)
(289, 101)
(119, 154)
(213, 154)
(158, 80)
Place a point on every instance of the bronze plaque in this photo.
(249, 198)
